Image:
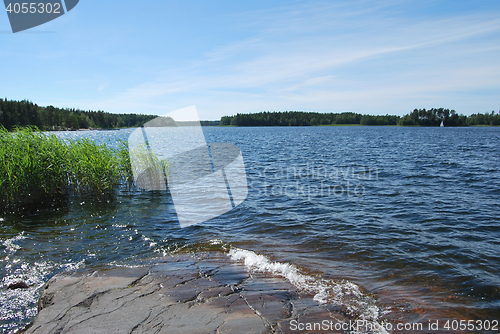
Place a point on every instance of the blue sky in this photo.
(225, 57)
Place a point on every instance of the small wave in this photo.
(151, 242)
(10, 244)
(342, 293)
(216, 242)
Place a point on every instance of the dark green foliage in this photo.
(25, 113)
(225, 120)
(38, 168)
(434, 117)
(300, 118)
(491, 119)
(379, 120)
(419, 117)
(210, 123)
(431, 117)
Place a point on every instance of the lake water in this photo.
(394, 224)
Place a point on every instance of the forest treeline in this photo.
(434, 117)
(418, 117)
(25, 113)
(300, 118)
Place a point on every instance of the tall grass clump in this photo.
(151, 172)
(36, 168)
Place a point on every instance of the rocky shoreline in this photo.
(189, 293)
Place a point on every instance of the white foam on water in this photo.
(18, 306)
(152, 243)
(343, 293)
(74, 266)
(215, 242)
(10, 244)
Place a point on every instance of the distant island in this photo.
(419, 117)
(25, 113)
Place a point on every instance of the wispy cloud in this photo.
(350, 56)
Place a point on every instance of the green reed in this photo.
(151, 171)
(36, 168)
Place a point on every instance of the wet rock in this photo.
(203, 293)
(17, 285)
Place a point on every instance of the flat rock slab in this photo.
(191, 293)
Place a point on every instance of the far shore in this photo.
(275, 126)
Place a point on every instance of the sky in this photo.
(228, 57)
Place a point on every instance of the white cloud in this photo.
(351, 57)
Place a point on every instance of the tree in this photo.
(26, 113)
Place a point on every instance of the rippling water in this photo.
(408, 215)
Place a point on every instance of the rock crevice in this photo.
(202, 293)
